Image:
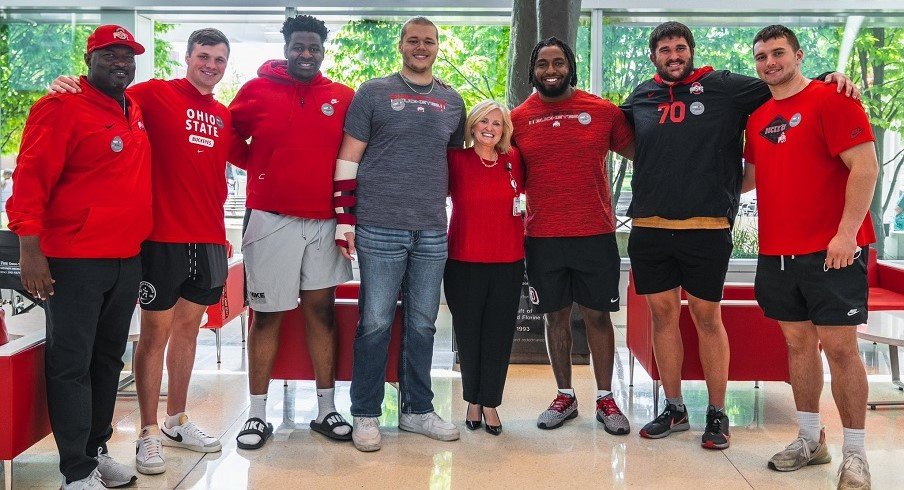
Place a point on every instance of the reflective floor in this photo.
(579, 455)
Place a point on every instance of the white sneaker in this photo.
(187, 435)
(430, 425)
(90, 482)
(113, 473)
(853, 474)
(366, 434)
(149, 455)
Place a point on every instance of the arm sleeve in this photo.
(345, 182)
(457, 140)
(845, 125)
(627, 107)
(242, 111)
(748, 93)
(622, 133)
(42, 157)
(359, 115)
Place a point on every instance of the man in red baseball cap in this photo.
(82, 207)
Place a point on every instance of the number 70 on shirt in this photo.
(672, 111)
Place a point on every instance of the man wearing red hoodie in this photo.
(184, 259)
(82, 207)
(294, 117)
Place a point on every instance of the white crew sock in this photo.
(567, 391)
(810, 426)
(325, 403)
(854, 442)
(602, 393)
(258, 407)
(678, 401)
(258, 410)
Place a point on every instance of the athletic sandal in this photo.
(255, 426)
(331, 422)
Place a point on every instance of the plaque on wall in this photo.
(529, 346)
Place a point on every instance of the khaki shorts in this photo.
(286, 254)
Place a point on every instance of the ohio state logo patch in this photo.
(146, 292)
(775, 130)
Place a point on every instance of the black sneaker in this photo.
(670, 420)
(716, 435)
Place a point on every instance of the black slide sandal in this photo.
(329, 424)
(255, 426)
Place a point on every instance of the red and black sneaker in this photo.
(670, 420)
(716, 435)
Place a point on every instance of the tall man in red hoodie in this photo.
(184, 258)
(82, 207)
(294, 117)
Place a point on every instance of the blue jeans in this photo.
(391, 259)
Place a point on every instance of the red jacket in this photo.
(295, 130)
(83, 177)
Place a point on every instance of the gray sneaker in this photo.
(612, 418)
(802, 452)
(90, 482)
(430, 425)
(113, 473)
(564, 407)
(853, 474)
(366, 434)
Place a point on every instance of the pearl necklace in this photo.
(492, 163)
(432, 85)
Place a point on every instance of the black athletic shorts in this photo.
(582, 270)
(695, 260)
(799, 288)
(194, 271)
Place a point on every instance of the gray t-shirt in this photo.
(403, 178)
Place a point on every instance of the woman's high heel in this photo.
(473, 424)
(492, 429)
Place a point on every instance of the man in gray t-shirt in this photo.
(392, 181)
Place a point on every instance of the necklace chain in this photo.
(432, 85)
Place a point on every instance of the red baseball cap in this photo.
(111, 35)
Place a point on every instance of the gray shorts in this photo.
(286, 254)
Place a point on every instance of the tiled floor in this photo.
(579, 455)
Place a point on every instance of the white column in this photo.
(596, 51)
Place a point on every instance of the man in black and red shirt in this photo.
(82, 207)
(570, 247)
(689, 125)
(813, 159)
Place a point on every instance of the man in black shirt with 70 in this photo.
(689, 125)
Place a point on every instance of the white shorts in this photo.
(287, 254)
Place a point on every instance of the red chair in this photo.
(232, 303)
(293, 361)
(758, 349)
(23, 398)
(4, 336)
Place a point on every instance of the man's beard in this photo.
(665, 75)
(551, 92)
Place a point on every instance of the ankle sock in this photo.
(854, 442)
(602, 393)
(174, 420)
(718, 409)
(258, 407)
(567, 391)
(678, 401)
(325, 403)
(149, 430)
(809, 424)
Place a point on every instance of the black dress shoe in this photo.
(492, 429)
(473, 424)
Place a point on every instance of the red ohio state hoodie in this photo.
(295, 130)
(83, 177)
